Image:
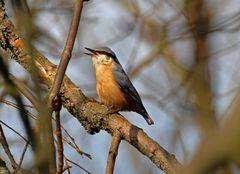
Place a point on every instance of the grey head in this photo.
(102, 50)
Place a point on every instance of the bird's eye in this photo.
(108, 58)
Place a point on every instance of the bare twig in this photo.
(134, 51)
(74, 145)
(66, 167)
(199, 20)
(66, 56)
(8, 102)
(23, 154)
(220, 147)
(76, 164)
(66, 164)
(5, 146)
(25, 148)
(14, 131)
(26, 92)
(113, 151)
(17, 107)
(57, 105)
(67, 52)
(146, 61)
(15, 94)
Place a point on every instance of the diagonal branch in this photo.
(6, 148)
(89, 112)
(16, 95)
(24, 90)
(67, 52)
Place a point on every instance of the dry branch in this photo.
(113, 151)
(67, 52)
(6, 148)
(57, 105)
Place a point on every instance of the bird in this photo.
(113, 86)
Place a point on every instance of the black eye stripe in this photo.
(107, 54)
(113, 56)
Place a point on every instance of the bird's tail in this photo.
(147, 117)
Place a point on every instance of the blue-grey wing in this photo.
(125, 84)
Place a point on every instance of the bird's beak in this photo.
(91, 50)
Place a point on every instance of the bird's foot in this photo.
(101, 103)
(112, 110)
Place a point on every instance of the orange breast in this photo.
(108, 90)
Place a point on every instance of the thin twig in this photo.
(6, 148)
(57, 105)
(25, 148)
(74, 145)
(78, 150)
(113, 151)
(22, 156)
(16, 95)
(17, 107)
(66, 164)
(7, 101)
(70, 161)
(26, 92)
(65, 58)
(135, 49)
(157, 50)
(67, 52)
(66, 167)
(14, 131)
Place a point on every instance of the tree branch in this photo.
(67, 52)
(26, 92)
(29, 114)
(56, 106)
(16, 95)
(6, 148)
(55, 88)
(199, 21)
(113, 151)
(220, 147)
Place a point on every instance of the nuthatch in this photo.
(113, 86)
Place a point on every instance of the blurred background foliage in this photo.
(182, 56)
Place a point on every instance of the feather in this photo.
(125, 84)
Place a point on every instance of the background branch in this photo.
(6, 148)
(22, 88)
(3, 167)
(16, 95)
